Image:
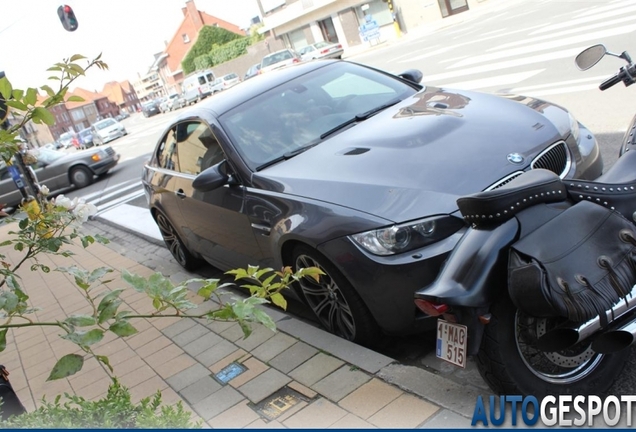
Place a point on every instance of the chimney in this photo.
(194, 14)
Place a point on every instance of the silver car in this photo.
(60, 170)
(321, 50)
(107, 130)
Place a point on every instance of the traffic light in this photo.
(67, 17)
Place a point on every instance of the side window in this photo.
(201, 80)
(167, 152)
(210, 77)
(197, 147)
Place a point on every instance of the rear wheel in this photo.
(510, 362)
(81, 176)
(174, 244)
(334, 301)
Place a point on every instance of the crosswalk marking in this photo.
(577, 22)
(493, 81)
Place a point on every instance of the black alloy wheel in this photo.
(174, 244)
(333, 300)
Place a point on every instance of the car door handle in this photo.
(180, 193)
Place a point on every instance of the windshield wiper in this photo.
(285, 156)
(359, 117)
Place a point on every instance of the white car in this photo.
(279, 59)
(321, 50)
(107, 130)
(225, 82)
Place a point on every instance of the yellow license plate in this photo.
(452, 340)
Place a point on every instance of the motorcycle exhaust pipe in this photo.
(615, 340)
(569, 335)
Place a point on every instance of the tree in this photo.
(209, 37)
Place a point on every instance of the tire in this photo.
(509, 363)
(174, 244)
(81, 176)
(333, 300)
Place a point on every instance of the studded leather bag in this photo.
(577, 265)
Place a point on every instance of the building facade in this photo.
(123, 95)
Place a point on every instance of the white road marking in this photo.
(118, 186)
(492, 81)
(597, 80)
(579, 21)
(119, 201)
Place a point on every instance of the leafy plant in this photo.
(208, 38)
(114, 411)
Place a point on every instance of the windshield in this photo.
(104, 124)
(295, 115)
(276, 58)
(322, 44)
(47, 156)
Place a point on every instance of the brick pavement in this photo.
(297, 377)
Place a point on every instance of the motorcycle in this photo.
(540, 289)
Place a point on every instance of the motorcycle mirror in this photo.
(590, 56)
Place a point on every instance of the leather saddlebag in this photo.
(577, 265)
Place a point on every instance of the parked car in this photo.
(350, 169)
(150, 108)
(60, 170)
(225, 82)
(107, 130)
(173, 102)
(85, 137)
(279, 59)
(68, 139)
(252, 71)
(122, 116)
(321, 50)
(197, 86)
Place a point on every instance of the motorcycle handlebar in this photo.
(610, 82)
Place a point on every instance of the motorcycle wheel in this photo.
(510, 363)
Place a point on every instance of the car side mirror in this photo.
(212, 178)
(412, 75)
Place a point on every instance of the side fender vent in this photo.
(356, 151)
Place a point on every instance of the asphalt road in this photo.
(512, 46)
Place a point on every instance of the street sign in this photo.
(370, 29)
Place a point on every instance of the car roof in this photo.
(237, 95)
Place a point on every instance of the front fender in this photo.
(476, 270)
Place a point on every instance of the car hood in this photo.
(416, 158)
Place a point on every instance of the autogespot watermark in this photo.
(562, 410)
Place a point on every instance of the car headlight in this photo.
(574, 128)
(407, 236)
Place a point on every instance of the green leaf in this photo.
(31, 96)
(68, 365)
(75, 99)
(138, 283)
(49, 91)
(17, 105)
(5, 88)
(17, 94)
(45, 115)
(76, 68)
(238, 274)
(91, 337)
(262, 317)
(109, 311)
(76, 57)
(108, 298)
(12, 282)
(247, 330)
(23, 223)
(123, 329)
(3, 339)
(279, 300)
(156, 303)
(81, 320)
(105, 361)
(98, 273)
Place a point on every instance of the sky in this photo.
(127, 33)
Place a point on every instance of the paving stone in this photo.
(199, 390)
(319, 414)
(254, 368)
(407, 411)
(274, 346)
(219, 327)
(264, 385)
(446, 419)
(178, 327)
(201, 344)
(370, 398)
(217, 402)
(340, 383)
(233, 333)
(292, 357)
(187, 377)
(215, 353)
(190, 335)
(260, 334)
(261, 424)
(357, 355)
(315, 369)
(351, 421)
(239, 416)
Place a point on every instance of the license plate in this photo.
(452, 340)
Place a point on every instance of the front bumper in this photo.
(387, 284)
(102, 167)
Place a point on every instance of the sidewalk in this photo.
(297, 377)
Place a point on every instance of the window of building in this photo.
(186, 38)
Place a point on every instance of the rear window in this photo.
(105, 124)
(229, 77)
(276, 58)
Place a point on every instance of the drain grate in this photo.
(278, 403)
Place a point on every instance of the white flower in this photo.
(44, 190)
(84, 210)
(62, 201)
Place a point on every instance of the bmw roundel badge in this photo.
(515, 158)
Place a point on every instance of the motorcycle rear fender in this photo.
(476, 271)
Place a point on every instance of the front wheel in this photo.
(510, 362)
(334, 301)
(81, 176)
